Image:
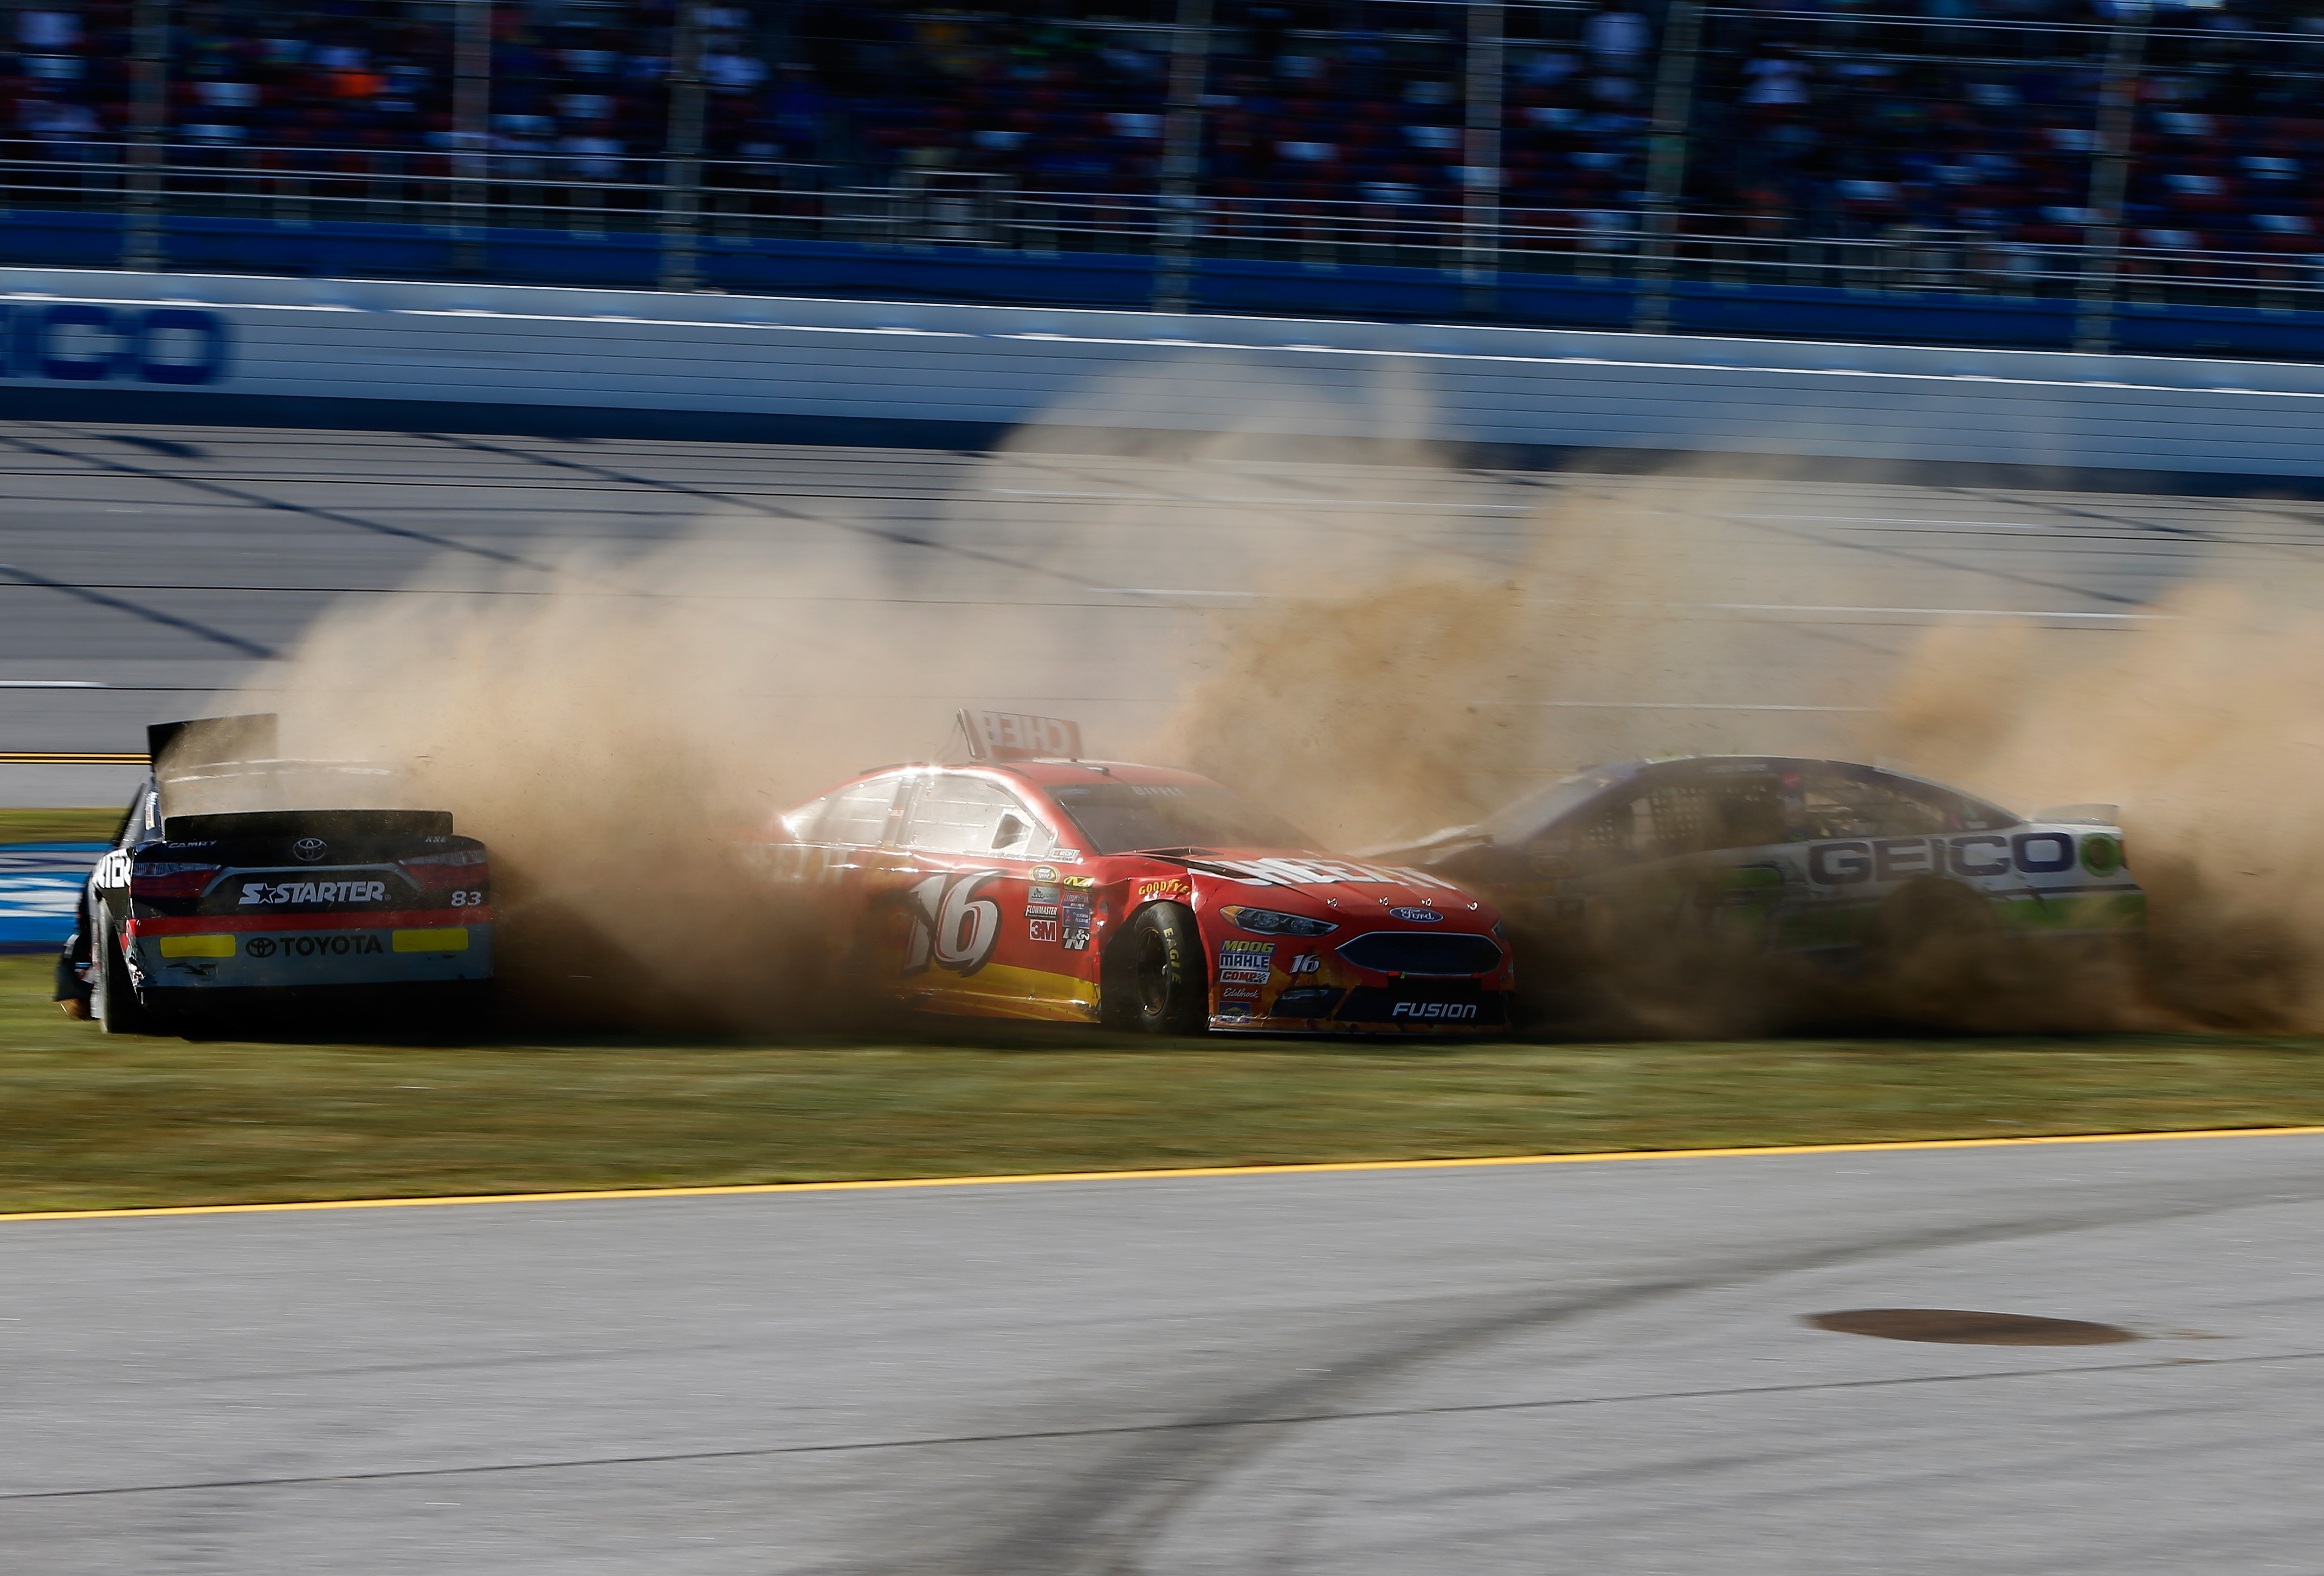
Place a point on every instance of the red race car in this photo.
(1030, 883)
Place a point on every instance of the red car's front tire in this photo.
(1156, 980)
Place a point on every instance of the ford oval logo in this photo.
(310, 849)
(1417, 915)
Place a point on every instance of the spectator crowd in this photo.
(1803, 116)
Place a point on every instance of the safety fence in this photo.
(471, 200)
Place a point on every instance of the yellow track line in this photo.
(71, 758)
(759, 1187)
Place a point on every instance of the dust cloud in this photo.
(2207, 725)
(1375, 649)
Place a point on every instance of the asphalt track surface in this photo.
(1519, 1369)
(144, 570)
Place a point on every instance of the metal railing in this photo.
(739, 203)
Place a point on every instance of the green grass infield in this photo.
(58, 825)
(89, 1122)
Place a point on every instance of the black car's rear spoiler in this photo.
(212, 740)
(231, 826)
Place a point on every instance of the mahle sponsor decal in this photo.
(1245, 962)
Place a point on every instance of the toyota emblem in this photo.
(310, 849)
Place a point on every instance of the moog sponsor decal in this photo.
(1246, 962)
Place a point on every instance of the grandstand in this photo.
(2027, 172)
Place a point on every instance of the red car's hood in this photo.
(1272, 878)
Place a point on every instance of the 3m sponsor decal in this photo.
(1417, 915)
(341, 945)
(952, 926)
(1440, 1011)
(1178, 889)
(1043, 929)
(315, 892)
(196, 946)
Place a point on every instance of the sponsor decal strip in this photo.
(375, 919)
(583, 1196)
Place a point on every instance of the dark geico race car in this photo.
(1027, 882)
(203, 911)
(1827, 861)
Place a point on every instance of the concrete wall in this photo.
(223, 346)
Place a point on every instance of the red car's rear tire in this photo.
(1156, 980)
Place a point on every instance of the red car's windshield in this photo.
(1122, 817)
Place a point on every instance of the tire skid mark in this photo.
(1104, 1522)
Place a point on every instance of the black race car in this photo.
(235, 884)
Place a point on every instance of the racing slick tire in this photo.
(1933, 935)
(114, 996)
(1154, 981)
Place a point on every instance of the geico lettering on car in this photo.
(1018, 879)
(1817, 858)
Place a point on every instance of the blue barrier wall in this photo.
(968, 273)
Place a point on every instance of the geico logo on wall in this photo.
(79, 342)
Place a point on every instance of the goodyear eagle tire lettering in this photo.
(1156, 979)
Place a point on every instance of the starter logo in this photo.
(314, 892)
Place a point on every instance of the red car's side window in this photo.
(971, 814)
